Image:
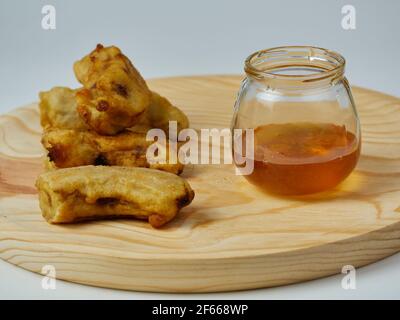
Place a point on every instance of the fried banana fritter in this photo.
(158, 115)
(114, 92)
(58, 109)
(71, 148)
(93, 192)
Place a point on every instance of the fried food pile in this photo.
(100, 129)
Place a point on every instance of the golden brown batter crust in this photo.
(114, 92)
(71, 148)
(158, 115)
(90, 192)
(58, 109)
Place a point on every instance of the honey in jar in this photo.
(307, 134)
(302, 158)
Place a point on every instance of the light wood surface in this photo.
(232, 236)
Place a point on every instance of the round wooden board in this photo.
(232, 236)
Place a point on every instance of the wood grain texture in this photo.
(232, 236)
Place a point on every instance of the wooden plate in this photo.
(232, 236)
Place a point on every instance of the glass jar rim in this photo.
(264, 64)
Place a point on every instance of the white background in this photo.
(166, 38)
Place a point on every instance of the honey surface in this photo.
(301, 158)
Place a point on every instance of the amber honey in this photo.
(302, 158)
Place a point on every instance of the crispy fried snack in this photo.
(82, 193)
(58, 109)
(71, 148)
(114, 92)
(158, 115)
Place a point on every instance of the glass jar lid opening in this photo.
(295, 64)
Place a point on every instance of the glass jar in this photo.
(306, 128)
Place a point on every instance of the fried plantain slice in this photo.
(158, 115)
(114, 92)
(58, 109)
(94, 192)
(70, 148)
